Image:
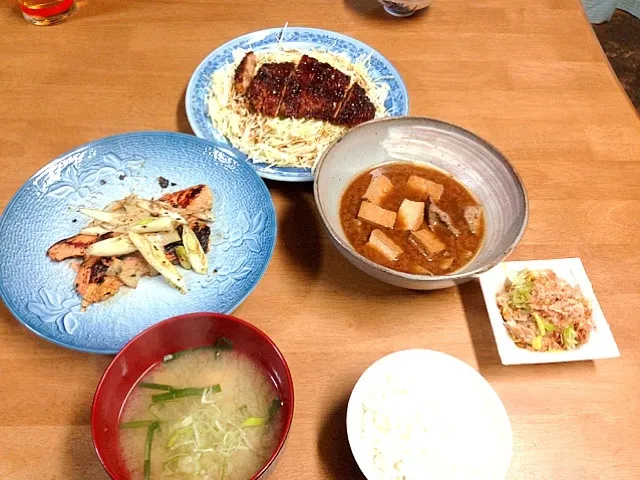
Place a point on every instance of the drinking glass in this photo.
(47, 12)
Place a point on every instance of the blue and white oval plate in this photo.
(40, 293)
(396, 104)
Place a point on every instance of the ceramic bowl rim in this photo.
(287, 422)
(411, 276)
(426, 3)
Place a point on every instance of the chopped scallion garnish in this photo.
(275, 406)
(183, 392)
(253, 422)
(136, 424)
(147, 449)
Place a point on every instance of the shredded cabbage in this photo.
(287, 142)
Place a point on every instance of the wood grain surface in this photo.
(528, 76)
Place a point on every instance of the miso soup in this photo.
(208, 413)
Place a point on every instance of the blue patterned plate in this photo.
(293, 38)
(40, 293)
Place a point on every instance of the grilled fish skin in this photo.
(92, 282)
(75, 246)
(197, 198)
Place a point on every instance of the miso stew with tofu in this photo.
(412, 219)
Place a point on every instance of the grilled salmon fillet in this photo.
(198, 198)
(129, 269)
(99, 278)
(92, 281)
(73, 246)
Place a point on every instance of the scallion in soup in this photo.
(207, 413)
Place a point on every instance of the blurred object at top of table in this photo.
(600, 11)
(50, 12)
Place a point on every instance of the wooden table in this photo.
(529, 76)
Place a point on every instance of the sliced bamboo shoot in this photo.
(155, 256)
(195, 253)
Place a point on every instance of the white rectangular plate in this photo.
(601, 343)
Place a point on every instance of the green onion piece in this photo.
(155, 386)
(147, 449)
(222, 344)
(174, 458)
(136, 424)
(521, 288)
(540, 323)
(275, 406)
(177, 434)
(569, 337)
(183, 258)
(543, 326)
(183, 392)
(185, 422)
(537, 343)
(253, 422)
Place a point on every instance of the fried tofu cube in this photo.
(378, 189)
(410, 215)
(427, 241)
(420, 270)
(377, 215)
(423, 188)
(382, 244)
(446, 262)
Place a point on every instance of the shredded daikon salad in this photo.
(284, 142)
(542, 312)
